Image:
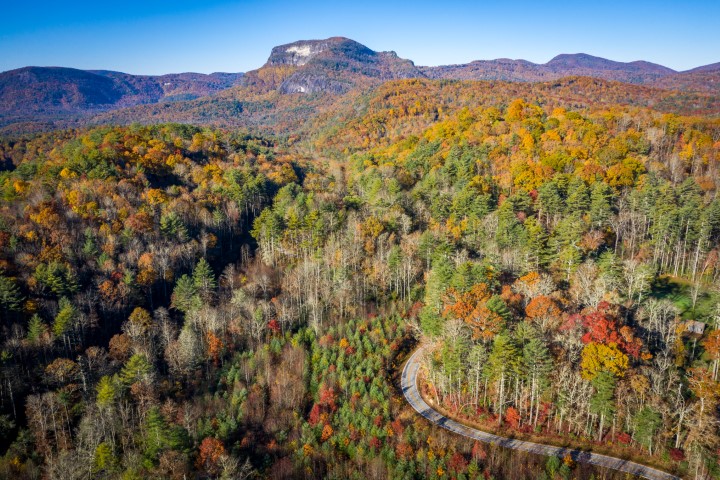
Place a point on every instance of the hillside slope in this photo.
(56, 93)
(563, 65)
(308, 77)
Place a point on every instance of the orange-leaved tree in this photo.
(472, 308)
(712, 348)
(544, 311)
(211, 449)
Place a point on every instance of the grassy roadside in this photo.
(556, 441)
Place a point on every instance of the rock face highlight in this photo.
(299, 53)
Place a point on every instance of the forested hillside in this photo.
(67, 96)
(305, 78)
(187, 302)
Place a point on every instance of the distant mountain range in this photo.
(561, 66)
(52, 93)
(701, 79)
(55, 97)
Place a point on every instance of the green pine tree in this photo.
(137, 368)
(601, 199)
(602, 403)
(172, 226)
(510, 232)
(497, 305)
(89, 248)
(105, 459)
(430, 322)
(501, 366)
(185, 295)
(106, 391)
(538, 253)
(158, 436)
(550, 201)
(65, 318)
(538, 364)
(578, 197)
(36, 328)
(204, 279)
(10, 297)
(646, 423)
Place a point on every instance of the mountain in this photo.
(705, 79)
(55, 89)
(701, 79)
(302, 78)
(51, 93)
(333, 65)
(564, 65)
(583, 62)
(712, 68)
(175, 86)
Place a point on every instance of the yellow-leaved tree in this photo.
(598, 357)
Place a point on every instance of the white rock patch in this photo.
(301, 51)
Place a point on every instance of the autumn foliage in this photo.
(471, 307)
(210, 451)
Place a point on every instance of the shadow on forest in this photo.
(679, 293)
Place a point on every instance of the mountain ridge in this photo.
(48, 93)
(64, 96)
(562, 65)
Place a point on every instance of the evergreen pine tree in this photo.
(136, 368)
(65, 317)
(578, 197)
(601, 198)
(501, 363)
(185, 295)
(646, 423)
(602, 403)
(204, 279)
(538, 253)
(106, 391)
(36, 328)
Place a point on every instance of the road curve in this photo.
(412, 395)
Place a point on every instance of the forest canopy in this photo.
(181, 301)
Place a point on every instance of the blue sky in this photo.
(161, 36)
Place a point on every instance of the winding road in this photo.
(412, 395)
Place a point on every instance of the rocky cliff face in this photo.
(333, 65)
(301, 52)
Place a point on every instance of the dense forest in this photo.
(186, 302)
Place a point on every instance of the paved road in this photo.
(412, 395)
